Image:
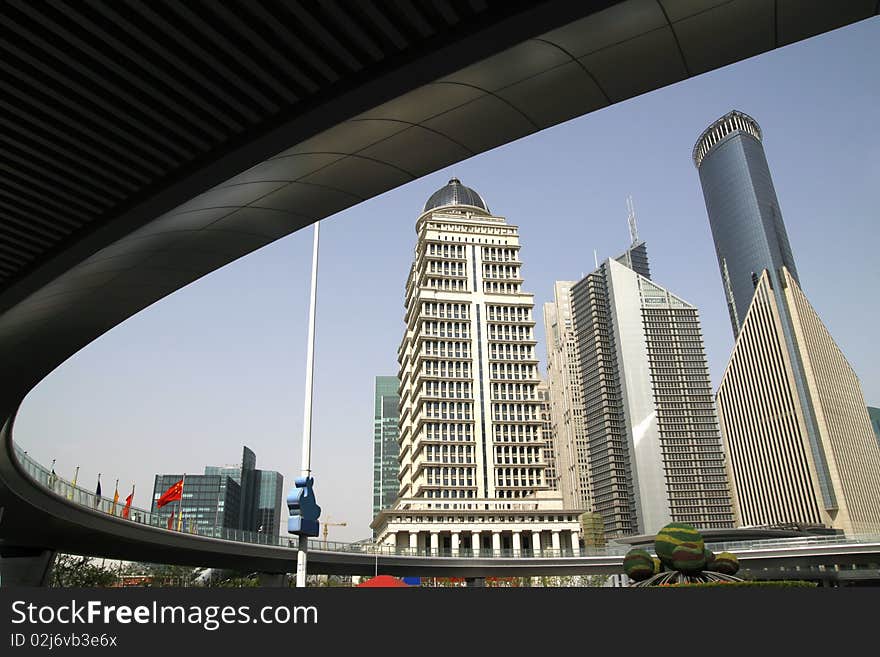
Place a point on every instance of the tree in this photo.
(71, 570)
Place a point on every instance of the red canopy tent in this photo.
(384, 581)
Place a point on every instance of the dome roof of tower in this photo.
(454, 193)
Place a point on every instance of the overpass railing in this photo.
(794, 542)
(85, 498)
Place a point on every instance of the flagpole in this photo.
(180, 503)
(73, 487)
(301, 554)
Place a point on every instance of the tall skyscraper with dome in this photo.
(473, 473)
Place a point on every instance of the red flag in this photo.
(127, 506)
(174, 493)
(171, 519)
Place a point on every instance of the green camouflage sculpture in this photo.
(682, 550)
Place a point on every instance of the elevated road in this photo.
(148, 144)
(54, 505)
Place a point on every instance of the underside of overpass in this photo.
(148, 144)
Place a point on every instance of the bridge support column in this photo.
(575, 544)
(435, 544)
(496, 544)
(414, 542)
(556, 544)
(455, 544)
(25, 566)
(536, 544)
(273, 580)
(517, 544)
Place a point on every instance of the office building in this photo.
(774, 474)
(385, 418)
(744, 213)
(232, 497)
(654, 448)
(473, 473)
(874, 416)
(566, 410)
(209, 502)
(543, 391)
(794, 420)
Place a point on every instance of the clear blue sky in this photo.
(220, 363)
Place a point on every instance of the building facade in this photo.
(385, 432)
(752, 246)
(239, 497)
(743, 210)
(774, 475)
(543, 391)
(874, 415)
(209, 502)
(473, 473)
(566, 410)
(655, 454)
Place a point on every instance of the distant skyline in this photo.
(220, 364)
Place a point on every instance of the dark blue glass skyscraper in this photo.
(743, 210)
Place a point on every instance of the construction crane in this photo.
(333, 524)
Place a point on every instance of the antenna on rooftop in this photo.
(631, 218)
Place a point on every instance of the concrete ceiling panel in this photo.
(308, 199)
(750, 30)
(799, 19)
(227, 195)
(288, 167)
(679, 9)
(609, 27)
(483, 124)
(262, 221)
(417, 151)
(560, 94)
(229, 242)
(196, 261)
(348, 137)
(359, 176)
(528, 59)
(638, 65)
(424, 102)
(177, 221)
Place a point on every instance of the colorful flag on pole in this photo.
(115, 499)
(174, 493)
(52, 476)
(73, 487)
(127, 508)
(171, 520)
(98, 492)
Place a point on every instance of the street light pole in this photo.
(307, 410)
